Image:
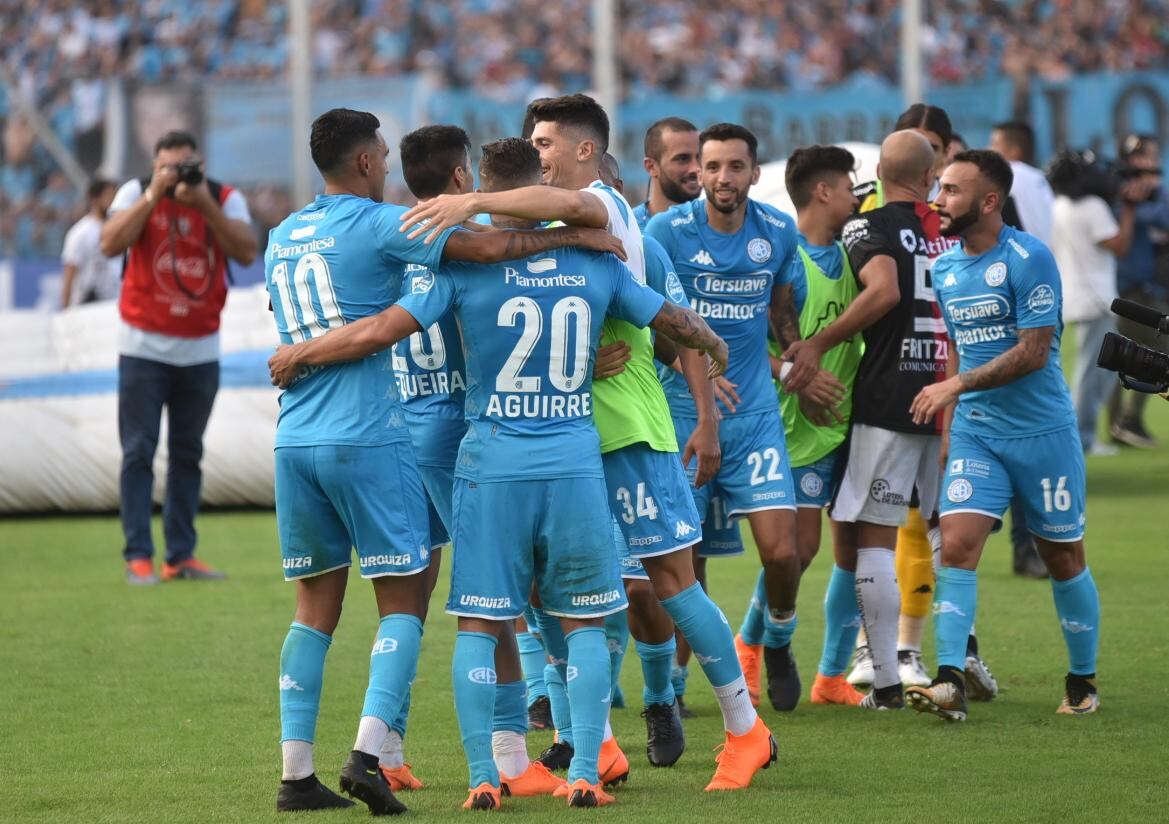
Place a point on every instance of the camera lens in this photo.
(1119, 354)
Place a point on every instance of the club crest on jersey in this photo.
(960, 490)
(909, 240)
(996, 273)
(674, 288)
(1041, 299)
(759, 250)
(422, 283)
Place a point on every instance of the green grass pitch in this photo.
(160, 704)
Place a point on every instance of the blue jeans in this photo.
(1093, 385)
(187, 392)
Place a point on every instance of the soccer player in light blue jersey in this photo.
(345, 471)
(732, 255)
(529, 329)
(1012, 433)
(647, 485)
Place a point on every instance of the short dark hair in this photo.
(97, 186)
(957, 138)
(930, 118)
(576, 110)
(338, 132)
(509, 161)
(653, 135)
(730, 131)
(530, 118)
(175, 139)
(1020, 135)
(991, 165)
(429, 157)
(808, 166)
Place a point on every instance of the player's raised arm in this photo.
(347, 343)
(576, 208)
(493, 247)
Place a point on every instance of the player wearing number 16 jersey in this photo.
(345, 472)
(1013, 431)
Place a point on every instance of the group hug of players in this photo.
(582, 397)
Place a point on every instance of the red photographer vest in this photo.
(175, 278)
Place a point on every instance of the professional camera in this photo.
(1141, 368)
(190, 171)
(1079, 174)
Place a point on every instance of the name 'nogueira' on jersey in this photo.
(326, 265)
(906, 349)
(985, 300)
(728, 280)
(431, 383)
(530, 330)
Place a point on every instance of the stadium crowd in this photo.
(63, 57)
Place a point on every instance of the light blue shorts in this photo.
(440, 487)
(720, 535)
(755, 474)
(557, 533)
(816, 482)
(330, 499)
(1045, 472)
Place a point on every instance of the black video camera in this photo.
(190, 171)
(1140, 368)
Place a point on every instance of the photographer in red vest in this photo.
(177, 230)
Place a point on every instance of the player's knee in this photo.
(640, 593)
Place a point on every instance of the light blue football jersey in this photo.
(530, 330)
(641, 214)
(429, 372)
(985, 300)
(659, 272)
(728, 280)
(339, 259)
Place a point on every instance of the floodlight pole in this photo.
(606, 78)
(912, 67)
(300, 89)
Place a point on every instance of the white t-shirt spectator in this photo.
(1087, 269)
(96, 274)
(1033, 200)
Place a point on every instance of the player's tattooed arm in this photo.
(493, 247)
(785, 322)
(574, 207)
(1026, 356)
(347, 343)
(683, 326)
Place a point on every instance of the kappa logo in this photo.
(286, 683)
(759, 250)
(950, 280)
(706, 660)
(960, 490)
(1074, 627)
(384, 646)
(948, 607)
(542, 265)
(482, 675)
(703, 258)
(996, 273)
(683, 530)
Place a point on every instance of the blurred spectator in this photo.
(1086, 241)
(1031, 197)
(1136, 275)
(87, 274)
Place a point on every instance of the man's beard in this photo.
(961, 223)
(674, 191)
(740, 199)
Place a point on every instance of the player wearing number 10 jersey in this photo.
(1013, 431)
(345, 472)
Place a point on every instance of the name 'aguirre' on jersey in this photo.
(906, 349)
